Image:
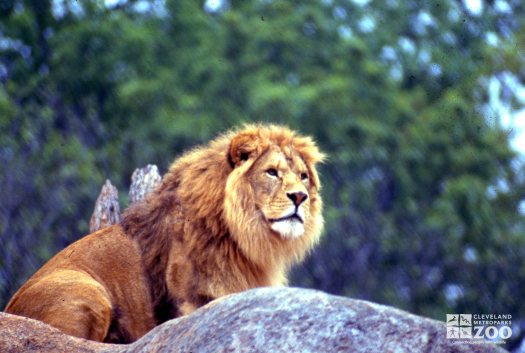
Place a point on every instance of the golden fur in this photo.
(229, 216)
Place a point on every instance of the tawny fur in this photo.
(210, 229)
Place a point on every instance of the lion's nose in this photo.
(297, 197)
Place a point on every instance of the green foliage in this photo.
(421, 187)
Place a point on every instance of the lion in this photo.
(232, 215)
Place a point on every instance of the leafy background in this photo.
(424, 194)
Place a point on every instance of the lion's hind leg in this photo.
(69, 300)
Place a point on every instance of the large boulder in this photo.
(263, 320)
(19, 334)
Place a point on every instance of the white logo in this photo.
(479, 328)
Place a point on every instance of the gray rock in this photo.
(107, 208)
(143, 181)
(300, 320)
(20, 335)
(263, 320)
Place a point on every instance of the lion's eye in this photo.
(272, 172)
(304, 176)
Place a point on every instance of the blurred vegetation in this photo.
(422, 189)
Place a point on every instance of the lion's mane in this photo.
(205, 195)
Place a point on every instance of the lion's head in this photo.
(272, 199)
(258, 185)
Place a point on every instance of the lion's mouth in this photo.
(293, 217)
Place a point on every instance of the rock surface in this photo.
(107, 208)
(143, 181)
(19, 334)
(262, 320)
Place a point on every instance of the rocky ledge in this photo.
(262, 320)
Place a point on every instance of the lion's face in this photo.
(280, 182)
(272, 196)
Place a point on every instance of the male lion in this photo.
(229, 216)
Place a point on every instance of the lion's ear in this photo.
(243, 147)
